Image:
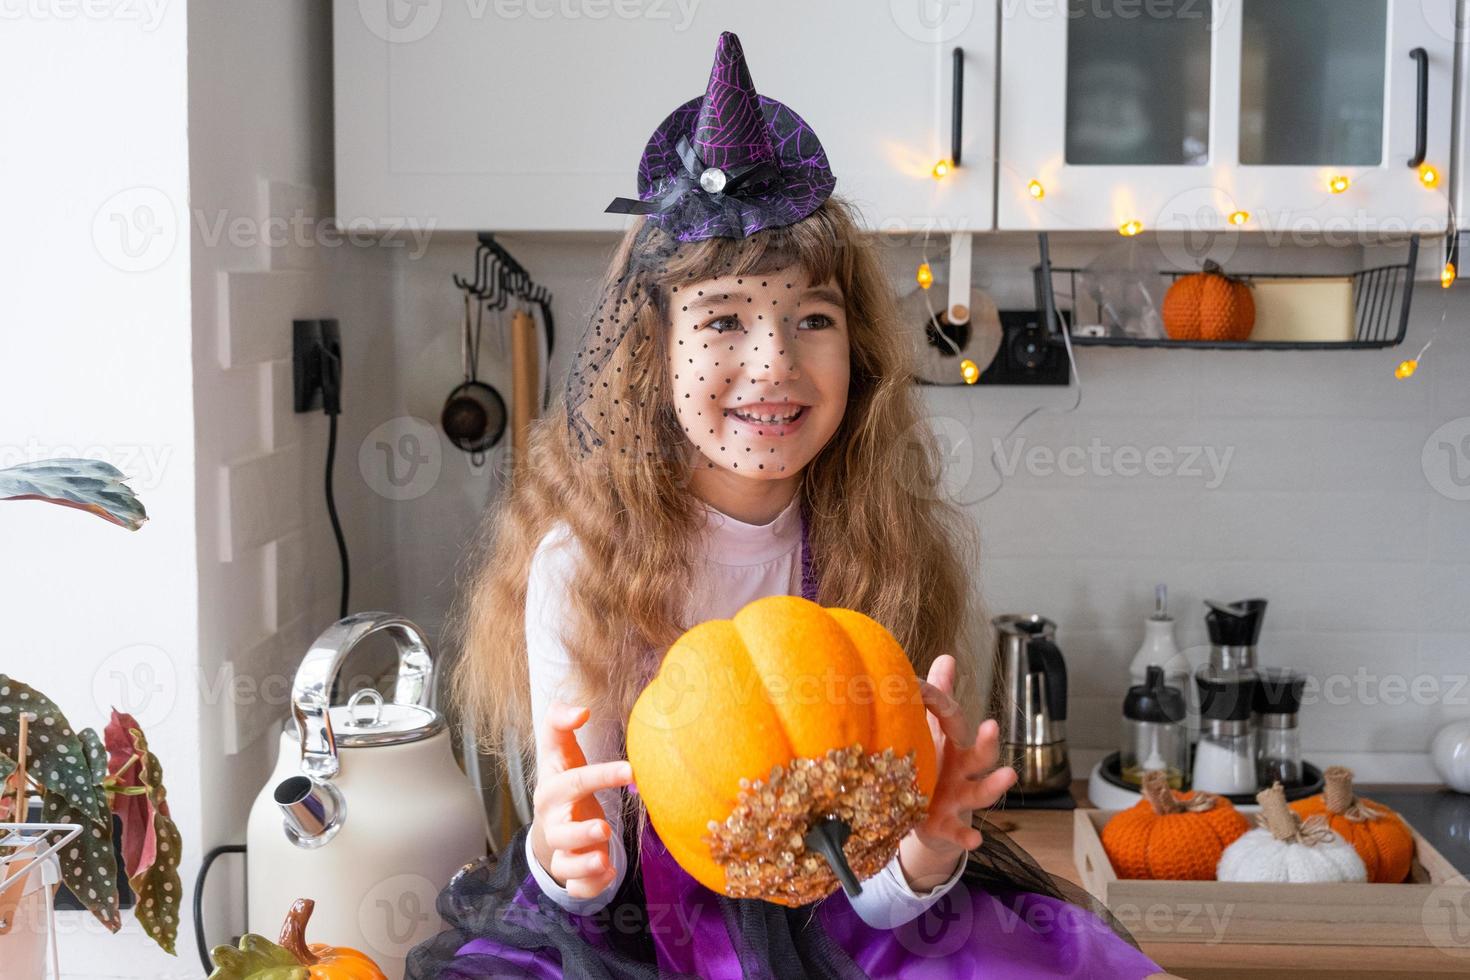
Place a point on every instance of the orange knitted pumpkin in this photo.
(1379, 835)
(783, 750)
(1209, 305)
(1172, 836)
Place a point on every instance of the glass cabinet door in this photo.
(1312, 82)
(1218, 115)
(1138, 87)
(1110, 112)
(1329, 91)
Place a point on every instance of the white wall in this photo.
(95, 346)
(1324, 505)
(260, 118)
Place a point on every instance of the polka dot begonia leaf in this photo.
(54, 755)
(88, 864)
(159, 888)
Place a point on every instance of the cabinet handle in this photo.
(956, 123)
(1421, 145)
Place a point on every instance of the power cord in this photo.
(332, 405)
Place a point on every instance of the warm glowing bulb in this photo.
(941, 169)
(925, 276)
(1339, 184)
(1130, 228)
(1239, 218)
(1406, 369)
(1429, 176)
(1036, 190)
(1447, 277)
(969, 371)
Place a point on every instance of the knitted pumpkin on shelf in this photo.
(1171, 836)
(783, 751)
(1380, 836)
(1209, 306)
(1287, 850)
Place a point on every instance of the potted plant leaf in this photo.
(82, 777)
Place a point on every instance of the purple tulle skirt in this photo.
(665, 924)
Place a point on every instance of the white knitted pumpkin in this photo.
(1285, 850)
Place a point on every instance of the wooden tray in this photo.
(1433, 908)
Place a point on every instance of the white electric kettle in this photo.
(367, 811)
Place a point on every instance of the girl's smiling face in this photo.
(759, 369)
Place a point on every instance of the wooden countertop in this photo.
(1047, 835)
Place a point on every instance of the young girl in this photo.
(739, 423)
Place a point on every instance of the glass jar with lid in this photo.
(1154, 733)
(1278, 699)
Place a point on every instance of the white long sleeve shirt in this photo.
(743, 562)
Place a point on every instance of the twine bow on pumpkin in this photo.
(1156, 790)
(1339, 798)
(1284, 825)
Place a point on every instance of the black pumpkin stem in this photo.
(826, 837)
(1213, 268)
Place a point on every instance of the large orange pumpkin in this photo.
(1380, 836)
(783, 751)
(1209, 305)
(1170, 835)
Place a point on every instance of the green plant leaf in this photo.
(89, 863)
(256, 958)
(54, 754)
(87, 484)
(158, 889)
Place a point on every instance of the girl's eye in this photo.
(824, 321)
(716, 324)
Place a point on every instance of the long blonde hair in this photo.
(884, 539)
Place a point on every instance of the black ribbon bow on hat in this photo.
(736, 179)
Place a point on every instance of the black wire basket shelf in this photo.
(1382, 297)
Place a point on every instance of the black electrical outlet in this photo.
(316, 359)
(1028, 355)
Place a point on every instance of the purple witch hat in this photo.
(730, 162)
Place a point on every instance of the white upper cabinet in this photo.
(532, 115)
(1179, 114)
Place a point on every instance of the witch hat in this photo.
(730, 162)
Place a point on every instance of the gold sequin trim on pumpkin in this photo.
(761, 843)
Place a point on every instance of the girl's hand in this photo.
(570, 832)
(968, 781)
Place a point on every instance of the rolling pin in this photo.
(525, 382)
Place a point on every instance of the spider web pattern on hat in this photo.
(730, 162)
